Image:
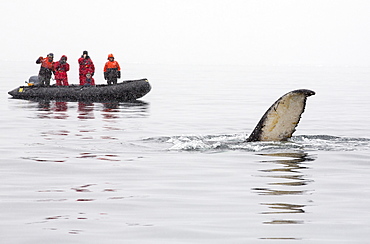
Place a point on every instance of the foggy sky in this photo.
(258, 32)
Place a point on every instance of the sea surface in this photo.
(174, 167)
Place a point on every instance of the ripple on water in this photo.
(238, 142)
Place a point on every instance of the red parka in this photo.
(61, 69)
(86, 65)
(111, 65)
(87, 82)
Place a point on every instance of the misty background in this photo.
(215, 32)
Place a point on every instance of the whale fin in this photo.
(281, 119)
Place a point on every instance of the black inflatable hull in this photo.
(124, 91)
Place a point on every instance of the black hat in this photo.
(85, 52)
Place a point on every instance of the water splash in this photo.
(238, 142)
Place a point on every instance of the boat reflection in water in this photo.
(286, 193)
(54, 109)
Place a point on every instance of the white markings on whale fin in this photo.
(281, 119)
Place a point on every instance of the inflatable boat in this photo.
(124, 91)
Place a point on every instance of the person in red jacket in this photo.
(88, 80)
(86, 65)
(61, 67)
(47, 67)
(112, 71)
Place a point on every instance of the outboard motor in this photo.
(34, 81)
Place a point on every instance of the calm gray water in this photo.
(174, 167)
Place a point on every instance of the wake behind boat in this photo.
(124, 91)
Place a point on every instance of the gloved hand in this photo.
(118, 74)
(38, 61)
(105, 76)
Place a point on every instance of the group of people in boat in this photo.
(112, 70)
